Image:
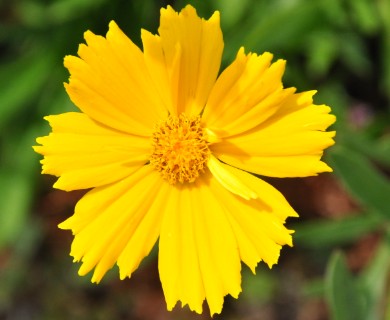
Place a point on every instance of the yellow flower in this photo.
(170, 149)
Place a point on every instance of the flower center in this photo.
(180, 149)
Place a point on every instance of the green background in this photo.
(339, 266)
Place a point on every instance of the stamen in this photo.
(180, 149)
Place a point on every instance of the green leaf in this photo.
(271, 25)
(17, 182)
(375, 278)
(375, 149)
(18, 264)
(15, 200)
(314, 288)
(20, 81)
(345, 299)
(361, 179)
(353, 52)
(63, 10)
(384, 12)
(327, 233)
(333, 94)
(34, 14)
(232, 11)
(366, 15)
(324, 50)
(335, 12)
(259, 288)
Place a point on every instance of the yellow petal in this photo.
(288, 144)
(164, 77)
(259, 190)
(248, 92)
(196, 261)
(147, 232)
(281, 167)
(200, 45)
(257, 223)
(86, 154)
(178, 255)
(110, 82)
(224, 176)
(107, 218)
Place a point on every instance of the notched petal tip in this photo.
(332, 119)
(88, 35)
(215, 18)
(289, 239)
(97, 276)
(169, 11)
(253, 266)
(113, 25)
(65, 225)
(61, 184)
(268, 55)
(66, 60)
(123, 275)
(282, 62)
(198, 308)
(188, 10)
(39, 140)
(305, 98)
(241, 53)
(280, 66)
(72, 63)
(48, 118)
(293, 214)
(83, 270)
(323, 167)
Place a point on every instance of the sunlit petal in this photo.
(288, 144)
(192, 50)
(191, 250)
(108, 218)
(110, 83)
(85, 154)
(171, 151)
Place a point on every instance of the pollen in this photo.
(181, 149)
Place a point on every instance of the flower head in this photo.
(170, 150)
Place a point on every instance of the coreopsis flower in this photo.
(172, 150)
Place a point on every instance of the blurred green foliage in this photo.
(340, 47)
